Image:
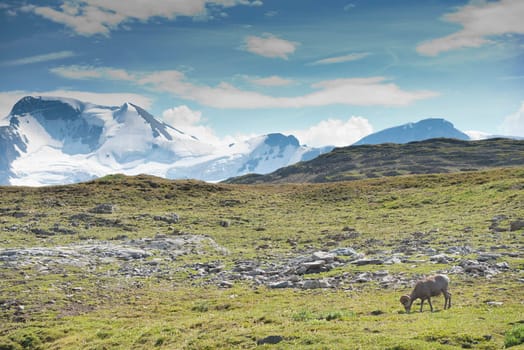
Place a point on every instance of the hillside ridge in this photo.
(421, 157)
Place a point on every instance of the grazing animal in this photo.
(425, 289)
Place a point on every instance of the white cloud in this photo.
(181, 116)
(90, 17)
(9, 98)
(40, 58)
(340, 59)
(477, 135)
(192, 123)
(513, 124)
(335, 132)
(86, 72)
(271, 81)
(270, 46)
(353, 91)
(481, 21)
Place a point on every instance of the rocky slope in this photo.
(371, 161)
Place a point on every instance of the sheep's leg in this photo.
(430, 306)
(447, 300)
(421, 304)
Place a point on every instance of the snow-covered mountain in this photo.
(58, 141)
(423, 130)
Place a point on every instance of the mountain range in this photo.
(58, 140)
(52, 141)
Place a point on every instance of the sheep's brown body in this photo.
(425, 289)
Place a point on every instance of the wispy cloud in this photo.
(271, 81)
(371, 91)
(53, 56)
(87, 72)
(349, 7)
(270, 46)
(271, 13)
(482, 21)
(91, 17)
(344, 58)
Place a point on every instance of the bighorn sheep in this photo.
(427, 288)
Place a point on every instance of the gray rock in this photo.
(502, 265)
(344, 251)
(516, 225)
(456, 270)
(498, 218)
(327, 257)
(392, 260)
(281, 284)
(488, 256)
(361, 262)
(363, 278)
(315, 284)
(226, 284)
(441, 259)
(105, 208)
(313, 267)
(170, 218)
(464, 250)
(494, 303)
(272, 339)
(431, 251)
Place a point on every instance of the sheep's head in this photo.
(406, 301)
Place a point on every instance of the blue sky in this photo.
(329, 72)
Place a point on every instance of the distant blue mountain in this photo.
(422, 130)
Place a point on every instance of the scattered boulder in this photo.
(272, 339)
(226, 284)
(371, 261)
(105, 208)
(229, 202)
(315, 284)
(516, 225)
(345, 251)
(41, 232)
(464, 250)
(488, 256)
(327, 257)
(494, 303)
(441, 259)
(281, 284)
(170, 218)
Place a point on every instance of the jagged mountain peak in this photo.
(281, 140)
(49, 107)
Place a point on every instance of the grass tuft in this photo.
(515, 336)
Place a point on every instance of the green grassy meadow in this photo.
(98, 307)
